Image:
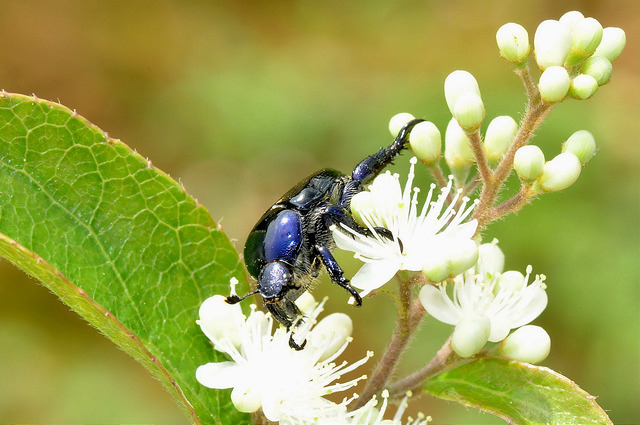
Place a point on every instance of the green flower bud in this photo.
(586, 36)
(554, 84)
(499, 136)
(469, 111)
(451, 260)
(470, 335)
(530, 344)
(612, 44)
(552, 43)
(571, 18)
(513, 42)
(437, 267)
(457, 152)
(599, 68)
(426, 142)
(528, 163)
(582, 144)
(560, 173)
(583, 87)
(490, 260)
(465, 256)
(398, 121)
(457, 83)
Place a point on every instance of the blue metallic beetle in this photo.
(292, 240)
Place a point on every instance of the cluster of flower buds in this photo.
(574, 54)
(560, 172)
(426, 140)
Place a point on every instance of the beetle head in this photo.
(274, 281)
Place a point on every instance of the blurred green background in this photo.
(239, 100)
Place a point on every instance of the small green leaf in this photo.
(117, 240)
(518, 392)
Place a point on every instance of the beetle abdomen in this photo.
(283, 238)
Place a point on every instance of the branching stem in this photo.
(438, 175)
(444, 359)
(535, 114)
(514, 204)
(481, 160)
(410, 314)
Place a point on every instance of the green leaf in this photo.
(117, 240)
(517, 392)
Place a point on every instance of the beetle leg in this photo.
(283, 311)
(293, 344)
(372, 165)
(334, 214)
(335, 272)
(279, 314)
(315, 267)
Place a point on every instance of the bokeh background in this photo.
(239, 100)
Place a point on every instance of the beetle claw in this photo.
(293, 344)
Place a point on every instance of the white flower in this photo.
(266, 373)
(417, 236)
(504, 298)
(369, 414)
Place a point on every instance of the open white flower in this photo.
(369, 414)
(502, 300)
(266, 373)
(418, 236)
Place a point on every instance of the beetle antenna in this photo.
(233, 299)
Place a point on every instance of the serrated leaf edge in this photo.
(108, 323)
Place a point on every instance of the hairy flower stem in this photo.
(438, 175)
(533, 94)
(444, 359)
(514, 204)
(441, 180)
(478, 152)
(535, 114)
(409, 316)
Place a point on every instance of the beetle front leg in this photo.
(335, 272)
(334, 214)
(287, 312)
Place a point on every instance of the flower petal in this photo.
(220, 375)
(532, 302)
(272, 406)
(464, 230)
(219, 319)
(246, 399)
(499, 329)
(533, 309)
(437, 303)
(373, 275)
